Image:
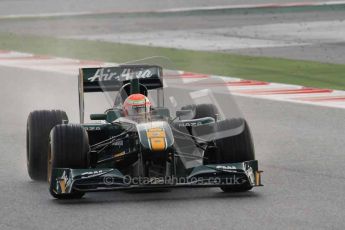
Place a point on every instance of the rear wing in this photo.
(102, 79)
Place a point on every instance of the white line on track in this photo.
(175, 10)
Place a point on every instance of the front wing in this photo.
(66, 180)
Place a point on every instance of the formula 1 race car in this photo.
(123, 149)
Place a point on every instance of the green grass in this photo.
(305, 73)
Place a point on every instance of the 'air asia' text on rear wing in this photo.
(112, 78)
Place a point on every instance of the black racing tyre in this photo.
(69, 149)
(235, 141)
(235, 148)
(234, 189)
(39, 125)
(202, 110)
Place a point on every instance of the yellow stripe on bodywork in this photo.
(157, 144)
(62, 186)
(119, 156)
(156, 137)
(258, 178)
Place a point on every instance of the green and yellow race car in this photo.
(136, 144)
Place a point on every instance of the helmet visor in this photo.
(137, 110)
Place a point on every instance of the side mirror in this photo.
(98, 116)
(185, 114)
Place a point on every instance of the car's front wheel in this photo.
(69, 149)
(38, 127)
(235, 145)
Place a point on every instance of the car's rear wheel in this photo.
(69, 149)
(202, 110)
(235, 145)
(39, 125)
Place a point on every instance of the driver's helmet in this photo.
(136, 104)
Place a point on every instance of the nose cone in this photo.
(155, 136)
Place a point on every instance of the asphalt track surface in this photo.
(300, 148)
(17, 7)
